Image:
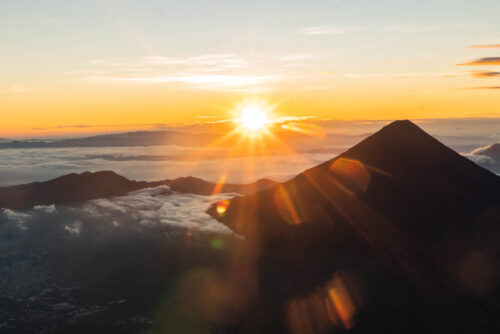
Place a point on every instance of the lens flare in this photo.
(217, 243)
(304, 128)
(285, 205)
(333, 306)
(222, 207)
(351, 175)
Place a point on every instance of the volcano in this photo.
(399, 234)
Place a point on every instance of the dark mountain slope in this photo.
(76, 188)
(406, 227)
(68, 189)
(198, 186)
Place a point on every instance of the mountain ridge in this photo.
(492, 151)
(75, 188)
(125, 139)
(400, 211)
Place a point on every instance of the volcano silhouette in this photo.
(399, 234)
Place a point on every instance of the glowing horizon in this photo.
(96, 67)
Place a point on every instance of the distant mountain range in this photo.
(193, 185)
(305, 143)
(76, 188)
(299, 141)
(399, 234)
(139, 138)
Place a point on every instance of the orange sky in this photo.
(66, 111)
(96, 67)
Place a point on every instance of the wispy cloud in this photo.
(484, 46)
(397, 27)
(204, 63)
(76, 126)
(483, 61)
(406, 27)
(328, 30)
(408, 75)
(484, 87)
(485, 74)
(209, 71)
(204, 81)
(19, 218)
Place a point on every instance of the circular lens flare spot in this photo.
(351, 175)
(217, 243)
(222, 207)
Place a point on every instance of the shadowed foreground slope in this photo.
(399, 234)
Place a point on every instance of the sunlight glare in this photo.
(254, 117)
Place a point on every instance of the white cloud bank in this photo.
(153, 206)
(149, 208)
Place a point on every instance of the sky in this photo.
(70, 67)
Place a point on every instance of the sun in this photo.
(254, 117)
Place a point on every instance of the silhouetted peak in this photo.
(401, 124)
(400, 160)
(492, 151)
(187, 179)
(401, 130)
(194, 185)
(397, 207)
(103, 174)
(401, 146)
(265, 182)
(99, 176)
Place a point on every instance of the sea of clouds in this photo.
(150, 163)
(139, 211)
(210, 162)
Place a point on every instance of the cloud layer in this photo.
(138, 210)
(485, 74)
(483, 61)
(485, 46)
(486, 156)
(485, 87)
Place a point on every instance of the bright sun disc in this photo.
(253, 117)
